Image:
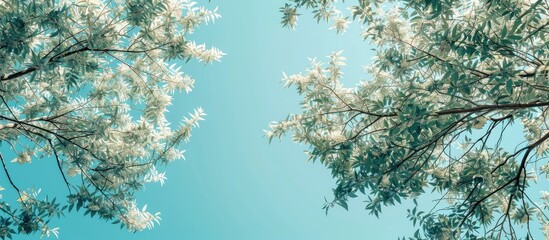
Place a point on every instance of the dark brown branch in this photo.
(37, 67)
(510, 106)
(10, 180)
(59, 165)
(66, 54)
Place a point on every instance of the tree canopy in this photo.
(450, 78)
(85, 84)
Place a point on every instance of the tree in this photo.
(450, 78)
(86, 85)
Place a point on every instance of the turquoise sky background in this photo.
(234, 184)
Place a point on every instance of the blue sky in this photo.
(233, 183)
